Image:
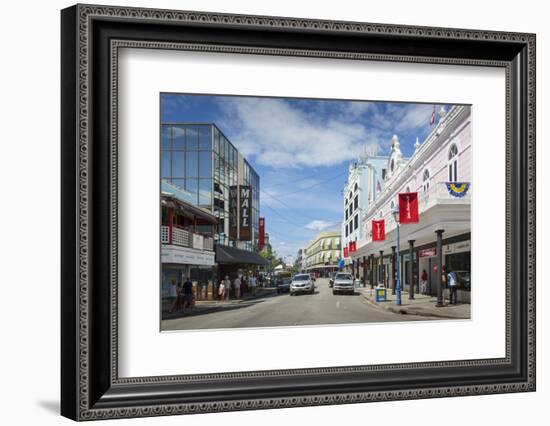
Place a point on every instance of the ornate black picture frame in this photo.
(91, 37)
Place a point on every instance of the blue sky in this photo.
(301, 148)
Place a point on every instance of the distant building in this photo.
(301, 260)
(323, 253)
(365, 181)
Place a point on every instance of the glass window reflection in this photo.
(178, 164)
(192, 186)
(165, 137)
(165, 166)
(205, 137)
(178, 138)
(192, 138)
(191, 164)
(205, 164)
(205, 192)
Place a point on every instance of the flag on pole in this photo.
(352, 246)
(408, 207)
(378, 230)
(346, 252)
(432, 119)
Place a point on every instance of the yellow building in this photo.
(323, 253)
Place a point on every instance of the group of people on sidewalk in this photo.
(181, 295)
(238, 287)
(448, 280)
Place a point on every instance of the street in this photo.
(322, 307)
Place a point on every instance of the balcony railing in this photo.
(183, 238)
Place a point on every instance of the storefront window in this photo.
(460, 264)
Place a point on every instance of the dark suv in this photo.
(283, 285)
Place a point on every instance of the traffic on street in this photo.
(319, 307)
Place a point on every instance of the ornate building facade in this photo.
(439, 171)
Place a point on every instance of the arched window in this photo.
(453, 163)
(408, 189)
(392, 164)
(426, 181)
(392, 206)
(355, 187)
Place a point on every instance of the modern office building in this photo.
(439, 171)
(199, 159)
(323, 253)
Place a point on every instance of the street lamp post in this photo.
(395, 213)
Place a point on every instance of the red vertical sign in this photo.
(378, 230)
(261, 232)
(352, 246)
(346, 252)
(408, 207)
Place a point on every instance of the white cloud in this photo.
(320, 225)
(414, 117)
(279, 135)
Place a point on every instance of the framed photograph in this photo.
(263, 212)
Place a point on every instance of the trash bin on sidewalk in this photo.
(380, 295)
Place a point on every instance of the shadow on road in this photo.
(199, 310)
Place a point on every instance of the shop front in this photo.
(234, 262)
(180, 263)
(458, 260)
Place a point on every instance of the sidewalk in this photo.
(421, 305)
(208, 306)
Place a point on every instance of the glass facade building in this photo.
(199, 159)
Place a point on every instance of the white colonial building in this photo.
(440, 172)
(364, 184)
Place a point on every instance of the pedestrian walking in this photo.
(173, 296)
(243, 285)
(237, 287)
(451, 279)
(252, 284)
(221, 290)
(424, 282)
(187, 294)
(227, 286)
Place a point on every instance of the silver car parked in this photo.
(301, 283)
(343, 283)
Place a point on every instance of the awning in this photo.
(225, 254)
(188, 209)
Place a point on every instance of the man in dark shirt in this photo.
(188, 293)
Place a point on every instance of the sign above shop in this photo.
(186, 256)
(431, 252)
(233, 207)
(457, 247)
(261, 231)
(244, 213)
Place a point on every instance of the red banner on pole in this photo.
(261, 232)
(346, 254)
(378, 230)
(352, 246)
(408, 207)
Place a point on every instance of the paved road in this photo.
(322, 307)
